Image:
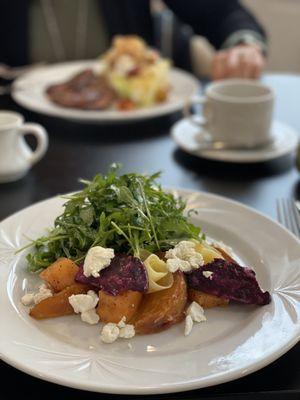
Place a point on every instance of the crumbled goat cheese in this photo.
(43, 293)
(127, 332)
(85, 305)
(188, 325)
(184, 257)
(94, 296)
(196, 312)
(175, 264)
(27, 299)
(110, 333)
(208, 274)
(97, 258)
(83, 302)
(90, 317)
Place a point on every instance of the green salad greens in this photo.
(130, 213)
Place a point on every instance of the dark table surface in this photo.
(81, 150)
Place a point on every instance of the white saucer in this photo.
(285, 142)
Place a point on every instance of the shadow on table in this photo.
(108, 133)
(236, 171)
(66, 130)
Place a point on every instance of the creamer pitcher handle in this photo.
(42, 140)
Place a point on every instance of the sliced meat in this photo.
(86, 90)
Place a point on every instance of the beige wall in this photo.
(282, 21)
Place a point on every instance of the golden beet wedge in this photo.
(160, 310)
(114, 308)
(226, 256)
(60, 274)
(206, 300)
(57, 305)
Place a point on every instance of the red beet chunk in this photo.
(124, 273)
(229, 280)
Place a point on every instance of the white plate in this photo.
(235, 340)
(285, 142)
(29, 92)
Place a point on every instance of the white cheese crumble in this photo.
(184, 257)
(127, 332)
(34, 298)
(208, 274)
(85, 305)
(97, 258)
(194, 313)
(90, 317)
(28, 299)
(188, 325)
(83, 302)
(112, 331)
(43, 293)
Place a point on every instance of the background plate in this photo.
(29, 92)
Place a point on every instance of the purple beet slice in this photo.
(124, 273)
(230, 281)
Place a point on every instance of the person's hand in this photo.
(242, 61)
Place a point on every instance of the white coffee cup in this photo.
(237, 112)
(16, 157)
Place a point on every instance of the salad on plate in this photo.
(125, 255)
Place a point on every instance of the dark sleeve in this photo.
(215, 19)
(13, 32)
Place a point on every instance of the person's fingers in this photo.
(238, 62)
(233, 63)
(250, 63)
(259, 65)
(247, 65)
(219, 69)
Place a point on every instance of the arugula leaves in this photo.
(130, 213)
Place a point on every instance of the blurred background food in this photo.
(136, 72)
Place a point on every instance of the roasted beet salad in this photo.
(124, 253)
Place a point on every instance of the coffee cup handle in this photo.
(42, 141)
(201, 100)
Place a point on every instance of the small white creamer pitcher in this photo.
(16, 157)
